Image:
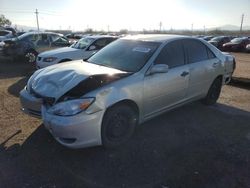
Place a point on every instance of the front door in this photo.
(163, 90)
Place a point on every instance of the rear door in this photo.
(164, 90)
(203, 67)
(43, 43)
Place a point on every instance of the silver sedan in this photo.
(100, 101)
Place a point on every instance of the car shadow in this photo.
(15, 88)
(12, 69)
(192, 146)
(241, 83)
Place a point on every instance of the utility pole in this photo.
(160, 26)
(192, 28)
(204, 27)
(37, 22)
(241, 24)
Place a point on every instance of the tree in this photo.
(4, 21)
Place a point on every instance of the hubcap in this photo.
(31, 57)
(118, 127)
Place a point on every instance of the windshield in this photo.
(125, 55)
(4, 33)
(237, 40)
(82, 43)
(23, 36)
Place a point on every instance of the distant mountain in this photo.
(26, 28)
(230, 27)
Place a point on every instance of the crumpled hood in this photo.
(56, 80)
(58, 51)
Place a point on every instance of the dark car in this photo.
(219, 41)
(30, 44)
(207, 38)
(237, 45)
(74, 37)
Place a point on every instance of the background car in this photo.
(219, 41)
(30, 44)
(82, 49)
(74, 37)
(5, 34)
(236, 45)
(248, 48)
(207, 38)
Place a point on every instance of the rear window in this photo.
(196, 51)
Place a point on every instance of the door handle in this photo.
(185, 73)
(215, 64)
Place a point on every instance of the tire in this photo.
(30, 56)
(118, 125)
(213, 92)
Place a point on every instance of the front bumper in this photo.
(41, 64)
(78, 131)
(31, 105)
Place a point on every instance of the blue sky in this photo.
(129, 14)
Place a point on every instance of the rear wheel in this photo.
(30, 56)
(118, 125)
(213, 92)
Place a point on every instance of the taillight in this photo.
(234, 64)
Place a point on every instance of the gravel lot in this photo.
(192, 146)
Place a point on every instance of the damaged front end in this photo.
(90, 84)
(62, 92)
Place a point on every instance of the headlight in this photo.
(6, 45)
(72, 107)
(2, 44)
(49, 59)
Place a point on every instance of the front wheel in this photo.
(213, 92)
(30, 56)
(118, 125)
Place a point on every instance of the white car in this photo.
(101, 100)
(82, 49)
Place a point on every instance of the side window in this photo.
(34, 37)
(43, 40)
(172, 55)
(109, 40)
(100, 43)
(56, 39)
(196, 50)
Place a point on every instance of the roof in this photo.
(43, 32)
(154, 37)
(100, 36)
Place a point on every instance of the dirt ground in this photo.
(193, 146)
(242, 70)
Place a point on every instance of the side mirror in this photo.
(92, 47)
(158, 68)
